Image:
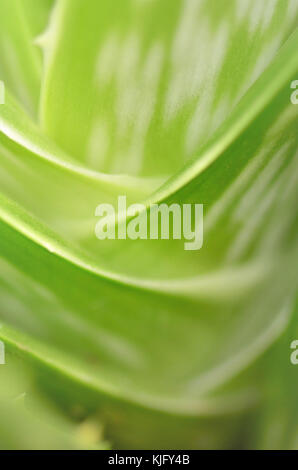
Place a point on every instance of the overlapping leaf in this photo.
(132, 90)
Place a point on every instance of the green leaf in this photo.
(20, 61)
(28, 421)
(277, 420)
(145, 83)
(162, 342)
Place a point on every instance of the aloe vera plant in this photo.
(173, 102)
